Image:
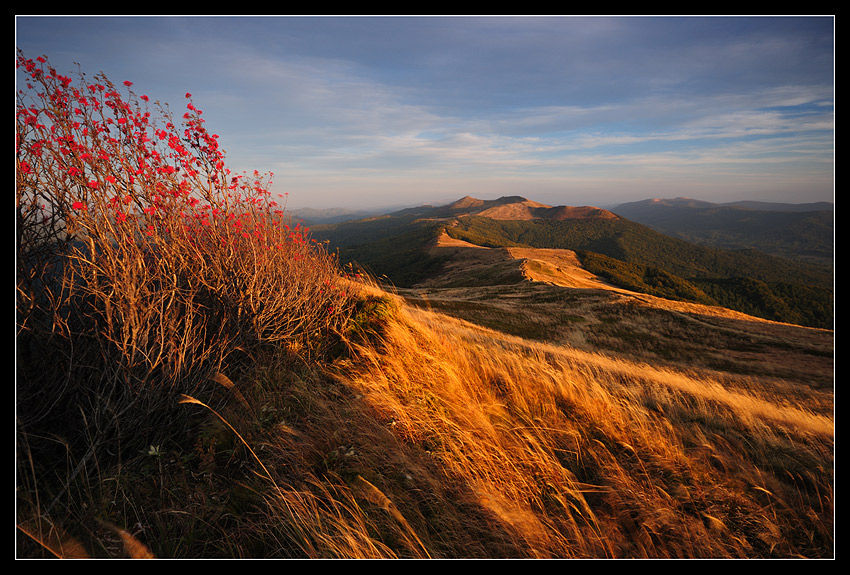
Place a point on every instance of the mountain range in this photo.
(795, 286)
(803, 232)
(509, 208)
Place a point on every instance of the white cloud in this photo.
(427, 104)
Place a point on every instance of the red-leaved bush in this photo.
(143, 263)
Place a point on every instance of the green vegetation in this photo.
(803, 233)
(799, 304)
(635, 257)
(393, 249)
(626, 254)
(644, 279)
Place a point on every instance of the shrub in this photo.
(143, 264)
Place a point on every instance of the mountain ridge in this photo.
(627, 253)
(801, 232)
(683, 201)
(518, 208)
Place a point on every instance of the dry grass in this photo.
(432, 437)
(218, 388)
(145, 269)
(583, 455)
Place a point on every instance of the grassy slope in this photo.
(638, 258)
(432, 437)
(571, 418)
(628, 254)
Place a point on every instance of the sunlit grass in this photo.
(436, 438)
(215, 386)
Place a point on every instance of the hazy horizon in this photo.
(388, 208)
(366, 112)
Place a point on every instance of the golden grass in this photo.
(343, 423)
(435, 438)
(583, 455)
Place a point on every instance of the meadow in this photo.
(197, 378)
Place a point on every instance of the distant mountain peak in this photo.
(520, 208)
(466, 202)
(513, 200)
(685, 202)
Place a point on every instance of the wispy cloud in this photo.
(403, 109)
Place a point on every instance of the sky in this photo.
(363, 112)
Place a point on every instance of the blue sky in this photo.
(365, 112)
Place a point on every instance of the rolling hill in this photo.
(623, 252)
(510, 401)
(653, 433)
(801, 232)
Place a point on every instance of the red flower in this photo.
(79, 206)
(127, 83)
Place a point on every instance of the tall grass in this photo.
(435, 438)
(197, 378)
(581, 455)
(145, 270)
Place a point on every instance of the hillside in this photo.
(435, 438)
(657, 431)
(626, 253)
(548, 295)
(802, 232)
(513, 405)
(199, 377)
